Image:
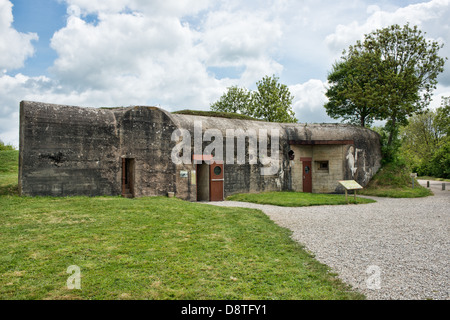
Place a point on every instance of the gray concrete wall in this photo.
(145, 135)
(71, 151)
(68, 151)
(323, 181)
(359, 160)
(242, 178)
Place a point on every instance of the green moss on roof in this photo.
(216, 114)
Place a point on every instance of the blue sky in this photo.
(43, 17)
(184, 54)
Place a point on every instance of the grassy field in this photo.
(216, 114)
(8, 172)
(394, 182)
(297, 199)
(150, 248)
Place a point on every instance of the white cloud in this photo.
(223, 35)
(10, 131)
(429, 16)
(242, 39)
(165, 52)
(148, 56)
(12, 90)
(133, 59)
(15, 47)
(305, 24)
(155, 7)
(95, 6)
(441, 91)
(158, 58)
(309, 99)
(372, 8)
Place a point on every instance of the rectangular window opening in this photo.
(322, 165)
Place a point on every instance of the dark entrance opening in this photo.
(128, 178)
(203, 182)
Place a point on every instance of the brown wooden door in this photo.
(216, 182)
(307, 176)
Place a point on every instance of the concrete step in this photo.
(127, 193)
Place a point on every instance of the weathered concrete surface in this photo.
(242, 178)
(357, 160)
(145, 133)
(68, 151)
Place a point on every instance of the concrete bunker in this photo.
(77, 151)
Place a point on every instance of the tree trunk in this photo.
(391, 131)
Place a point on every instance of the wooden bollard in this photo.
(428, 184)
(443, 186)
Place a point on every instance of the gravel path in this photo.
(392, 249)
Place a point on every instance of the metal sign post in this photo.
(413, 177)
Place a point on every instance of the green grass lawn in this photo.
(151, 248)
(8, 172)
(216, 114)
(394, 181)
(405, 192)
(298, 199)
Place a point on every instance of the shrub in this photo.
(439, 166)
(4, 147)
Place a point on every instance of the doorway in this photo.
(210, 181)
(203, 182)
(216, 182)
(128, 178)
(307, 175)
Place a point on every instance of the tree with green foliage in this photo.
(420, 139)
(354, 87)
(235, 100)
(396, 72)
(272, 101)
(410, 66)
(439, 165)
(4, 147)
(443, 116)
(425, 141)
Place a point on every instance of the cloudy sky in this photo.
(183, 54)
